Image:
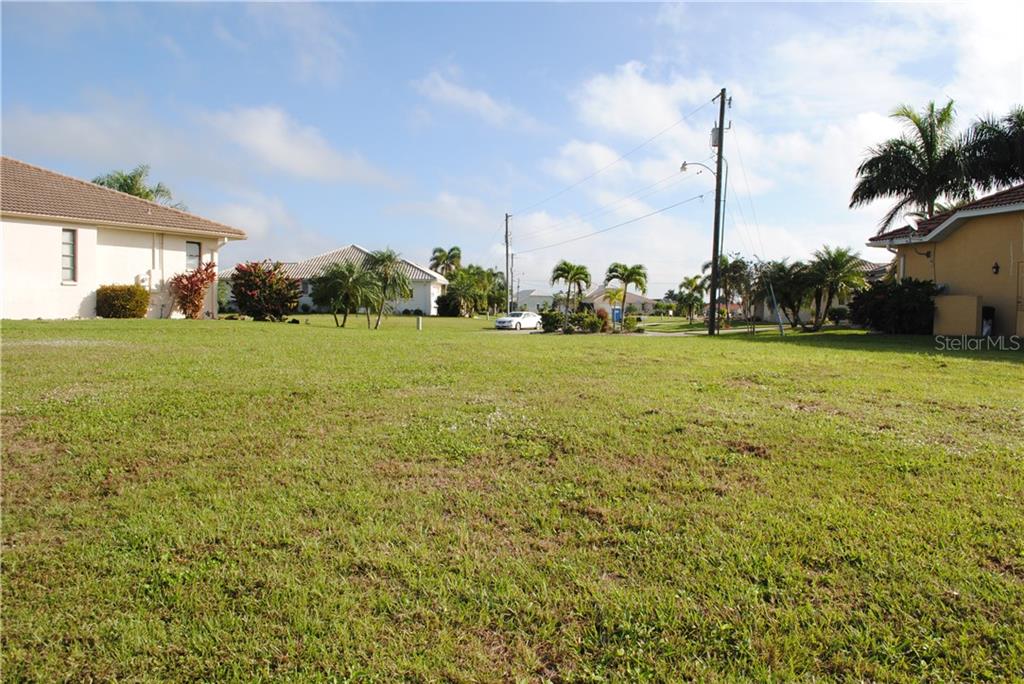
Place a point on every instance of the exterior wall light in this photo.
(995, 268)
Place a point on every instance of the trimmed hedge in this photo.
(122, 301)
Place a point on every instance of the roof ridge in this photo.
(132, 198)
(1012, 188)
(330, 251)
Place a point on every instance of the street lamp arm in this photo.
(685, 164)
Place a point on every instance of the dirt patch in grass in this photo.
(747, 449)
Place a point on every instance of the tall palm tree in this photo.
(927, 164)
(575, 277)
(134, 183)
(635, 275)
(691, 294)
(446, 261)
(344, 287)
(392, 281)
(996, 150)
(835, 272)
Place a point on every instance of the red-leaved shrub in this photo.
(264, 290)
(189, 289)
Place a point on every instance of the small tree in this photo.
(344, 287)
(264, 291)
(189, 289)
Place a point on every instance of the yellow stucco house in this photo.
(975, 254)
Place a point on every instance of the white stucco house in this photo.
(61, 238)
(534, 300)
(427, 285)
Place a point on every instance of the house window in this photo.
(69, 256)
(192, 250)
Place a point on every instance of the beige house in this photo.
(975, 254)
(595, 297)
(61, 238)
(427, 285)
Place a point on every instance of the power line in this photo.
(639, 193)
(617, 225)
(750, 198)
(614, 162)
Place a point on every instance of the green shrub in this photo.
(629, 324)
(837, 314)
(903, 308)
(551, 320)
(122, 301)
(224, 302)
(584, 322)
(448, 305)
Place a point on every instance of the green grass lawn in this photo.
(229, 500)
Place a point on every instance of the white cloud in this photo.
(443, 90)
(628, 103)
(280, 143)
(315, 38)
(273, 232)
(454, 212)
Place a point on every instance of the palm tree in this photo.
(691, 294)
(927, 164)
(134, 183)
(392, 281)
(575, 276)
(446, 261)
(733, 275)
(612, 295)
(996, 150)
(835, 272)
(627, 275)
(463, 289)
(344, 287)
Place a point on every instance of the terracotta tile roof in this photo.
(1010, 196)
(314, 266)
(32, 191)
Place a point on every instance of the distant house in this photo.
(595, 297)
(975, 254)
(872, 270)
(427, 285)
(534, 300)
(61, 238)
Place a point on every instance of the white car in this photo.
(517, 320)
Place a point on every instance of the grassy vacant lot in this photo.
(235, 500)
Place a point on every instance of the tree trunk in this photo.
(334, 312)
(367, 308)
(344, 318)
(380, 313)
(622, 314)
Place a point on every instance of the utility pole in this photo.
(512, 280)
(719, 142)
(508, 275)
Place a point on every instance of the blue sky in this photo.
(413, 125)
